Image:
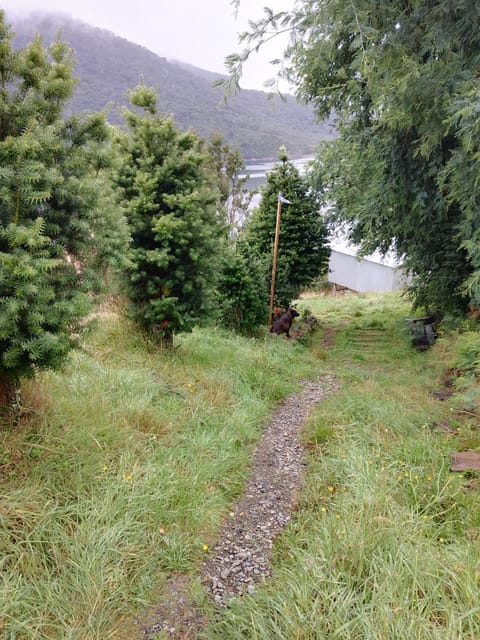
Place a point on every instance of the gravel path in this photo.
(240, 558)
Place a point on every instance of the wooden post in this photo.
(275, 256)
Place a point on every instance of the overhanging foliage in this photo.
(401, 77)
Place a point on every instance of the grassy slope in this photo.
(124, 471)
(385, 542)
(131, 458)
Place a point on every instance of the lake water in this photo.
(258, 170)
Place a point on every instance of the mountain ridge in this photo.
(108, 65)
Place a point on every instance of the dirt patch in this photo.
(240, 558)
(328, 338)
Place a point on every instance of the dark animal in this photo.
(284, 322)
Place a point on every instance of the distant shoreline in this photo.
(256, 170)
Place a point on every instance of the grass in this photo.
(384, 544)
(122, 468)
(126, 463)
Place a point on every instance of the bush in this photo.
(241, 307)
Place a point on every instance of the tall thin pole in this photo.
(275, 256)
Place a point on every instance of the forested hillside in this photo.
(108, 66)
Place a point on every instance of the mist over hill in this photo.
(108, 66)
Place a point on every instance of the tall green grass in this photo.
(121, 469)
(124, 465)
(384, 544)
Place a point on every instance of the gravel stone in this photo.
(240, 558)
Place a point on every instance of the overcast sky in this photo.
(201, 32)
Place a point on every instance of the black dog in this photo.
(283, 324)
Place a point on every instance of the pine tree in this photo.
(303, 245)
(241, 306)
(167, 192)
(48, 210)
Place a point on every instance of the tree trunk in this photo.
(167, 340)
(9, 393)
(163, 336)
